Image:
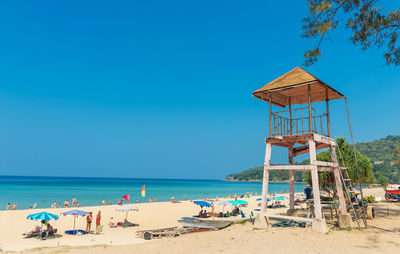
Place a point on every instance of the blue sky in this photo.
(162, 89)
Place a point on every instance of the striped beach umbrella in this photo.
(75, 213)
(42, 216)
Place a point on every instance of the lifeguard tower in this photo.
(300, 129)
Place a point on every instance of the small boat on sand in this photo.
(211, 224)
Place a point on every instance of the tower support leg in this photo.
(291, 180)
(314, 179)
(267, 163)
(338, 181)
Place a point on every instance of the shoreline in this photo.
(258, 181)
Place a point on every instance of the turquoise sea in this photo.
(25, 190)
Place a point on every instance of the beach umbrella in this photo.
(223, 203)
(75, 213)
(202, 203)
(238, 202)
(126, 208)
(259, 199)
(42, 216)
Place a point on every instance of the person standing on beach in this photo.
(66, 204)
(8, 207)
(98, 219)
(89, 219)
(34, 206)
(308, 192)
(103, 202)
(73, 202)
(14, 207)
(155, 199)
(59, 205)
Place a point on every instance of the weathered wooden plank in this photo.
(304, 149)
(325, 164)
(326, 169)
(290, 167)
(338, 181)
(324, 139)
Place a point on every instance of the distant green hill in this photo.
(382, 154)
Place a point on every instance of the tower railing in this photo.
(296, 122)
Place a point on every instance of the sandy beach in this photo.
(238, 238)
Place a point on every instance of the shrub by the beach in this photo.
(383, 182)
(370, 199)
(327, 179)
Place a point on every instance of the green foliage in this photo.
(398, 153)
(383, 154)
(256, 174)
(327, 179)
(370, 26)
(383, 181)
(370, 199)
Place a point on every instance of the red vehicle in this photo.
(392, 194)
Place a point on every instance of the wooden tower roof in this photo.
(294, 85)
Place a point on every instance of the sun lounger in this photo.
(37, 234)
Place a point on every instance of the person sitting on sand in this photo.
(172, 199)
(111, 223)
(49, 227)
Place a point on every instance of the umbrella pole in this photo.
(74, 221)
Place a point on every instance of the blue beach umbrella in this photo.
(233, 202)
(259, 199)
(42, 216)
(202, 203)
(74, 213)
(238, 202)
